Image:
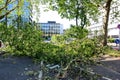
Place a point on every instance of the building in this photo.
(51, 28)
(113, 31)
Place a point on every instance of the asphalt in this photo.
(109, 68)
(20, 68)
(17, 68)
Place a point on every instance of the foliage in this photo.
(12, 6)
(75, 56)
(12, 9)
(108, 50)
(27, 41)
(86, 10)
(111, 40)
(76, 32)
(75, 43)
(58, 40)
(82, 10)
(24, 41)
(49, 53)
(4, 5)
(72, 46)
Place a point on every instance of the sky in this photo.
(50, 15)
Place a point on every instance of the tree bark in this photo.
(6, 17)
(7, 1)
(8, 11)
(105, 21)
(77, 13)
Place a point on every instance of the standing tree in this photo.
(109, 13)
(71, 9)
(106, 20)
(3, 5)
(6, 17)
(8, 6)
(85, 10)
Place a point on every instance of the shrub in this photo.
(111, 40)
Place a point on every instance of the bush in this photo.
(111, 40)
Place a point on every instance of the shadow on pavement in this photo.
(109, 68)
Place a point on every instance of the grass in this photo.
(112, 52)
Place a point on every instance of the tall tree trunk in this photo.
(7, 2)
(6, 19)
(105, 21)
(77, 13)
(76, 21)
(18, 15)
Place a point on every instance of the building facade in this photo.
(51, 28)
(113, 31)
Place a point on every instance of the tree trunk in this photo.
(77, 13)
(6, 19)
(105, 21)
(8, 12)
(5, 8)
(76, 20)
(18, 16)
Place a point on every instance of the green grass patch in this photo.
(112, 52)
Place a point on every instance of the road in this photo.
(14, 68)
(109, 68)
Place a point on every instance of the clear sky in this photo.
(46, 16)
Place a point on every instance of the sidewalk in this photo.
(109, 68)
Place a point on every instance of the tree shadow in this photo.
(113, 64)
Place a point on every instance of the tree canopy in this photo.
(80, 10)
(85, 11)
(13, 5)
